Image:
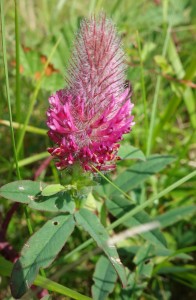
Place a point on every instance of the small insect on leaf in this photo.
(52, 189)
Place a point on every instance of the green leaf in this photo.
(47, 297)
(89, 202)
(92, 225)
(139, 172)
(188, 95)
(22, 191)
(119, 206)
(189, 100)
(175, 215)
(5, 266)
(175, 59)
(156, 251)
(6, 269)
(168, 267)
(52, 189)
(39, 252)
(104, 279)
(53, 82)
(186, 278)
(130, 152)
(162, 62)
(136, 174)
(29, 192)
(60, 202)
(59, 289)
(134, 289)
(147, 48)
(144, 264)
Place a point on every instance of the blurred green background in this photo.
(42, 23)
(159, 38)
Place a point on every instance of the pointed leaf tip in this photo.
(92, 225)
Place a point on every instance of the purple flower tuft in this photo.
(89, 117)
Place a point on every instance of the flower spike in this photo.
(87, 119)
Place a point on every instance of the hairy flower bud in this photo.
(89, 116)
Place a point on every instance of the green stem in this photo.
(143, 84)
(45, 283)
(109, 181)
(79, 248)
(27, 161)
(34, 97)
(17, 48)
(10, 109)
(155, 100)
(151, 201)
(55, 287)
(26, 212)
(31, 129)
(179, 251)
(7, 87)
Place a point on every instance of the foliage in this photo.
(51, 214)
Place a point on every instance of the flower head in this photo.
(89, 116)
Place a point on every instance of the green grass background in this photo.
(159, 41)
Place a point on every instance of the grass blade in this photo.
(155, 100)
(17, 48)
(7, 87)
(34, 97)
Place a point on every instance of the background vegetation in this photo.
(158, 37)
